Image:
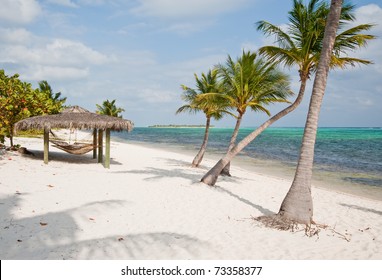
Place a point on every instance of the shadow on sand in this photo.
(60, 156)
(55, 235)
(362, 208)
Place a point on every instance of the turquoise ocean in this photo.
(348, 158)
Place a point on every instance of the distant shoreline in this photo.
(178, 126)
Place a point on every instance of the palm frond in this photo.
(305, 34)
(287, 57)
(187, 108)
(352, 39)
(281, 38)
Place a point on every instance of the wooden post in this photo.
(46, 145)
(95, 143)
(100, 146)
(107, 148)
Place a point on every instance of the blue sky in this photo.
(139, 52)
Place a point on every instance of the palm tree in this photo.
(55, 97)
(250, 83)
(298, 205)
(301, 46)
(212, 109)
(109, 108)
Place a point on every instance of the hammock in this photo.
(75, 148)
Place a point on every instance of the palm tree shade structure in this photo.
(77, 118)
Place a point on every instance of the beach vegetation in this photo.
(212, 108)
(250, 82)
(56, 98)
(300, 44)
(109, 108)
(297, 206)
(19, 100)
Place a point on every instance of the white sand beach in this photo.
(150, 205)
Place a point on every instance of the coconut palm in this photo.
(56, 98)
(297, 205)
(252, 83)
(109, 108)
(212, 109)
(300, 45)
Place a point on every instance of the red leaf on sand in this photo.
(91, 219)
(120, 239)
(19, 240)
(50, 186)
(43, 224)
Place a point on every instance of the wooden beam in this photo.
(95, 142)
(100, 146)
(46, 145)
(107, 148)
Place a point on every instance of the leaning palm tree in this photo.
(300, 45)
(212, 109)
(297, 206)
(109, 108)
(250, 83)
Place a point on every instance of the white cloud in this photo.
(58, 52)
(133, 28)
(71, 52)
(56, 73)
(77, 3)
(185, 28)
(37, 58)
(185, 9)
(15, 36)
(157, 94)
(66, 3)
(371, 13)
(19, 11)
(94, 2)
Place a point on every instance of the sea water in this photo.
(351, 157)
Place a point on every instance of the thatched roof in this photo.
(77, 118)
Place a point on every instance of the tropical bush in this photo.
(18, 100)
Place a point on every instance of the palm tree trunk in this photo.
(298, 205)
(199, 157)
(226, 169)
(212, 175)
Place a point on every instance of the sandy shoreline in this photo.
(325, 180)
(150, 205)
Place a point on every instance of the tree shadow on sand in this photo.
(158, 173)
(60, 156)
(55, 235)
(362, 208)
(263, 210)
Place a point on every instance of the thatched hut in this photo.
(78, 118)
